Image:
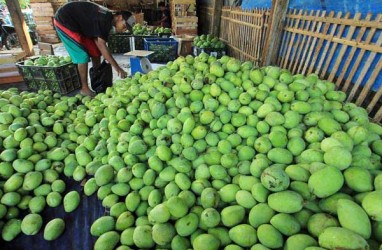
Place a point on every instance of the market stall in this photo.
(265, 135)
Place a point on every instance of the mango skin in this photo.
(286, 201)
(270, 236)
(358, 179)
(285, 223)
(329, 204)
(31, 224)
(326, 181)
(11, 229)
(354, 218)
(317, 223)
(372, 204)
(142, 236)
(71, 201)
(54, 229)
(244, 235)
(102, 225)
(300, 242)
(206, 242)
(342, 238)
(107, 241)
(275, 179)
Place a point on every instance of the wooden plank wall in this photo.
(340, 48)
(205, 16)
(244, 32)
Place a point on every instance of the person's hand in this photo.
(121, 72)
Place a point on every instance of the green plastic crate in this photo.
(61, 79)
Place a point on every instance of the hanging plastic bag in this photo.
(101, 77)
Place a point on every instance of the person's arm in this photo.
(101, 44)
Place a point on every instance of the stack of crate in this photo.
(43, 13)
(183, 16)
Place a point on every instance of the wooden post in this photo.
(275, 28)
(216, 17)
(20, 26)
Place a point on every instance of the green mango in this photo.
(206, 242)
(317, 223)
(329, 125)
(338, 157)
(285, 201)
(32, 180)
(160, 214)
(326, 181)
(358, 179)
(23, 166)
(13, 183)
(54, 229)
(372, 205)
(142, 236)
(351, 216)
(341, 238)
(269, 236)
(285, 224)
(102, 225)
(104, 175)
(31, 224)
(107, 241)
(232, 215)
(260, 214)
(243, 235)
(280, 155)
(299, 241)
(11, 229)
(163, 233)
(71, 201)
(275, 179)
(57, 154)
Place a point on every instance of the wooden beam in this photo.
(20, 26)
(216, 17)
(273, 39)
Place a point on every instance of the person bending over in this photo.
(83, 28)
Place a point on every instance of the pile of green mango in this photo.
(208, 42)
(203, 154)
(48, 60)
(162, 30)
(139, 29)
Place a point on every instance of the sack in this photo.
(101, 77)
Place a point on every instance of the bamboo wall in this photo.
(339, 48)
(343, 49)
(244, 32)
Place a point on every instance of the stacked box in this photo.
(184, 19)
(43, 15)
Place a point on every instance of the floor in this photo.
(122, 60)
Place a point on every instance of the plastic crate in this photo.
(119, 43)
(165, 49)
(139, 43)
(61, 79)
(212, 52)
